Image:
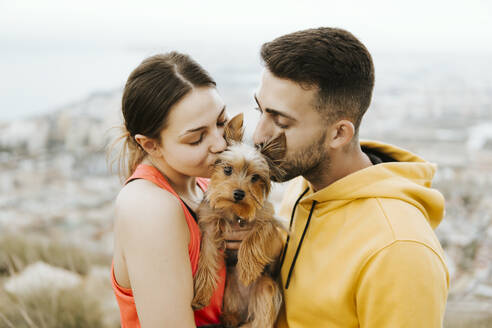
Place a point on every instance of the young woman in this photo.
(174, 124)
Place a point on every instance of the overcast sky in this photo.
(54, 52)
(418, 25)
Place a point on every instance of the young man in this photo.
(362, 251)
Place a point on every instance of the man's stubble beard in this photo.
(310, 162)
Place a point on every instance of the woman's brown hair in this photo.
(150, 92)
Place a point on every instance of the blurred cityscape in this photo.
(56, 190)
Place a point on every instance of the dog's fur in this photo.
(252, 297)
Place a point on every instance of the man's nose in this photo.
(263, 132)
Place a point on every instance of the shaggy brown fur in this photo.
(238, 193)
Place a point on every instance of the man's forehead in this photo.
(283, 95)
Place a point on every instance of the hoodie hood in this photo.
(402, 176)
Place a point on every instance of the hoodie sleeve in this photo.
(403, 285)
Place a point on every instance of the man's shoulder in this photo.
(393, 220)
(406, 220)
(387, 225)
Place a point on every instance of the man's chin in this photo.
(287, 176)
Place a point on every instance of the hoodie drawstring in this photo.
(300, 244)
(290, 228)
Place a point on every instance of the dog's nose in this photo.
(239, 194)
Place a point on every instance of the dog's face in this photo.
(241, 176)
(240, 181)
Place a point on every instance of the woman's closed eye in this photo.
(220, 124)
(197, 142)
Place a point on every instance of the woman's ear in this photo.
(149, 145)
(233, 130)
(341, 134)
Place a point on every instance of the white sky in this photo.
(419, 25)
(40, 40)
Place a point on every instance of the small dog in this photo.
(237, 194)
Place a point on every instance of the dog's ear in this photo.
(233, 130)
(274, 151)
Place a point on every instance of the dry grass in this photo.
(18, 251)
(90, 304)
(71, 308)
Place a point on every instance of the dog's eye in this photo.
(255, 178)
(227, 170)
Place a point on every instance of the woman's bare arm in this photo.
(152, 230)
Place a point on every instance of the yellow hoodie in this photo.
(369, 256)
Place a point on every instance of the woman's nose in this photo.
(219, 144)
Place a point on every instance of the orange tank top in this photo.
(209, 315)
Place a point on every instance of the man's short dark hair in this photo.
(330, 59)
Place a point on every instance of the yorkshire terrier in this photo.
(237, 194)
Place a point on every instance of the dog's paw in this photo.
(230, 319)
(249, 267)
(196, 305)
(201, 299)
(205, 283)
(247, 325)
(247, 278)
(248, 274)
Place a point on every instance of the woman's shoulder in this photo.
(142, 201)
(141, 191)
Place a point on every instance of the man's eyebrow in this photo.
(274, 111)
(204, 127)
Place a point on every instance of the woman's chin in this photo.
(208, 171)
(207, 174)
(202, 171)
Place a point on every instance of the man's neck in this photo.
(338, 166)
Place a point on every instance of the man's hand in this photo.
(235, 236)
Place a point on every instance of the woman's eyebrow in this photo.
(221, 112)
(203, 127)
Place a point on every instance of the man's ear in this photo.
(233, 130)
(148, 145)
(342, 133)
